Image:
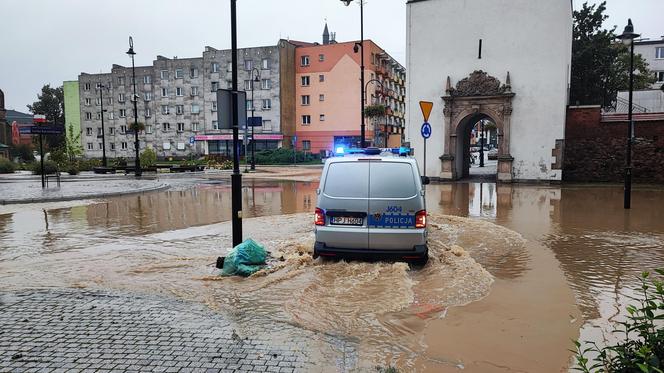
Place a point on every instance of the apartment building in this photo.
(176, 102)
(328, 113)
(653, 52)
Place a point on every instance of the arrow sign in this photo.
(426, 130)
(426, 107)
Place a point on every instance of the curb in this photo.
(74, 198)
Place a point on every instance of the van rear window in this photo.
(392, 180)
(347, 180)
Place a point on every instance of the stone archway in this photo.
(477, 96)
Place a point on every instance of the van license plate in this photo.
(345, 220)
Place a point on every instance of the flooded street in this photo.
(516, 272)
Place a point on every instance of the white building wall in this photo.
(530, 39)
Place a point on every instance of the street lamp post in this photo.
(236, 177)
(362, 91)
(131, 53)
(482, 143)
(627, 37)
(257, 78)
(103, 129)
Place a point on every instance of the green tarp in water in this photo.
(244, 259)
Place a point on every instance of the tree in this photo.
(600, 65)
(51, 103)
(72, 145)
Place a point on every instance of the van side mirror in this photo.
(426, 180)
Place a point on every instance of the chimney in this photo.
(333, 38)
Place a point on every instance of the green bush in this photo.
(281, 156)
(72, 169)
(23, 152)
(642, 349)
(148, 158)
(6, 166)
(59, 156)
(50, 167)
(88, 164)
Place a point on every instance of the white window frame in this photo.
(86, 87)
(304, 61)
(180, 127)
(193, 72)
(90, 146)
(195, 109)
(214, 106)
(179, 109)
(321, 117)
(163, 74)
(123, 113)
(248, 65)
(121, 97)
(194, 91)
(305, 100)
(267, 125)
(247, 85)
(321, 57)
(123, 145)
(179, 74)
(148, 128)
(305, 80)
(659, 53)
(88, 102)
(147, 96)
(265, 64)
(215, 125)
(660, 76)
(194, 126)
(214, 67)
(321, 97)
(179, 91)
(321, 78)
(123, 128)
(165, 109)
(147, 79)
(266, 84)
(88, 131)
(267, 104)
(166, 127)
(148, 112)
(306, 120)
(164, 92)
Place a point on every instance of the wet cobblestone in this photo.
(83, 331)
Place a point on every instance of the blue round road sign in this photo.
(426, 130)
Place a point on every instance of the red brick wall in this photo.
(595, 148)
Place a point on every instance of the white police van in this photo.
(371, 204)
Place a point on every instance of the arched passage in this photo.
(476, 97)
(469, 139)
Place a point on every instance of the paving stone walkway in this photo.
(90, 331)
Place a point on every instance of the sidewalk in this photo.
(71, 330)
(27, 189)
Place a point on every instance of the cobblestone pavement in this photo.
(71, 330)
(29, 190)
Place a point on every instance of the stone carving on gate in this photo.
(479, 83)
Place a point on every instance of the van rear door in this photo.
(344, 199)
(394, 200)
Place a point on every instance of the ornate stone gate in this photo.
(476, 97)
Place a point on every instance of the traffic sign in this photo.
(41, 130)
(426, 107)
(255, 121)
(192, 139)
(426, 130)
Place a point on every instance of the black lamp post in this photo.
(256, 79)
(482, 143)
(131, 53)
(627, 37)
(103, 129)
(361, 48)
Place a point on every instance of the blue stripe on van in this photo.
(391, 221)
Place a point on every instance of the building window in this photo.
(215, 125)
(166, 127)
(111, 115)
(164, 109)
(229, 67)
(179, 73)
(147, 79)
(121, 97)
(112, 146)
(248, 65)
(214, 105)
(321, 78)
(163, 74)
(660, 76)
(267, 125)
(321, 97)
(306, 145)
(180, 127)
(164, 92)
(147, 96)
(98, 115)
(123, 128)
(88, 131)
(98, 101)
(193, 72)
(111, 130)
(306, 119)
(179, 91)
(194, 126)
(88, 102)
(123, 113)
(195, 109)
(305, 99)
(194, 91)
(179, 109)
(89, 145)
(659, 52)
(321, 57)
(267, 104)
(148, 128)
(247, 85)
(215, 67)
(214, 86)
(100, 146)
(123, 145)
(86, 87)
(266, 84)
(265, 64)
(304, 61)
(250, 105)
(121, 80)
(148, 112)
(305, 81)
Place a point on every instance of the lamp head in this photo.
(131, 47)
(347, 2)
(628, 34)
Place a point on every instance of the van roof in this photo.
(354, 157)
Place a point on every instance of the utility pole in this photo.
(131, 53)
(236, 177)
(103, 129)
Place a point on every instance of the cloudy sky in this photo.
(45, 41)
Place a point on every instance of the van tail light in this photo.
(421, 219)
(319, 217)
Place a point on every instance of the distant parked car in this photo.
(493, 154)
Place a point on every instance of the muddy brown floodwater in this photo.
(516, 271)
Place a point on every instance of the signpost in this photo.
(40, 119)
(426, 107)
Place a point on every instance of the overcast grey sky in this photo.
(45, 41)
